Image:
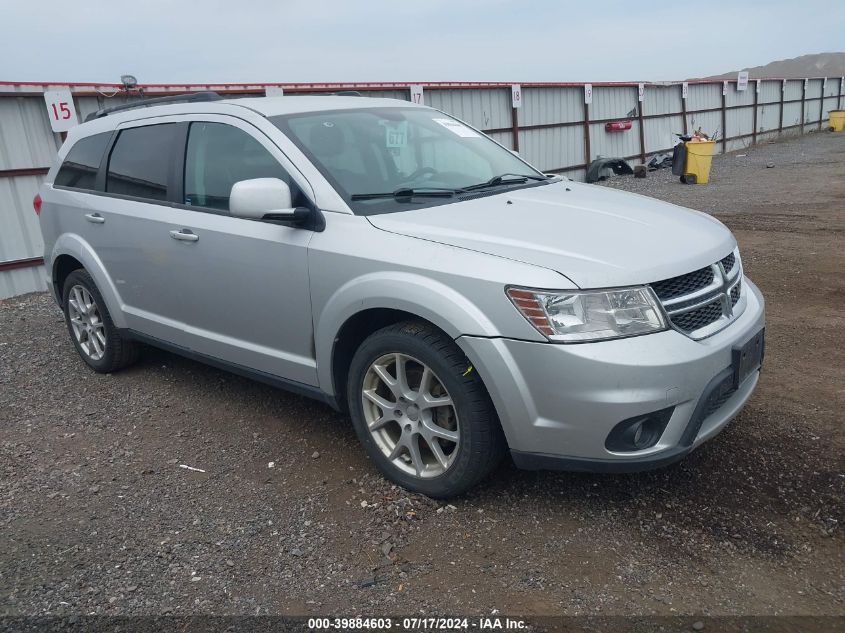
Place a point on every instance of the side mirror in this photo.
(264, 199)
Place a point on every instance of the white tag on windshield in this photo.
(458, 128)
(395, 135)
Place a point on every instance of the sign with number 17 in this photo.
(60, 109)
(417, 93)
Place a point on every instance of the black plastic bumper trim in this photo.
(542, 461)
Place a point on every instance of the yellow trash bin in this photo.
(697, 165)
(837, 120)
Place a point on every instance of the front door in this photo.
(240, 287)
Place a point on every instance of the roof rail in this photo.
(193, 97)
(346, 93)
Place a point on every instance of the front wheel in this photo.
(422, 412)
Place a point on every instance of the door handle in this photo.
(96, 218)
(184, 235)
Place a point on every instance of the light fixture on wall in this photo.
(129, 82)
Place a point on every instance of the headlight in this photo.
(593, 315)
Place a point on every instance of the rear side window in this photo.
(220, 155)
(79, 170)
(140, 162)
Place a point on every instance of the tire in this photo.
(475, 445)
(91, 328)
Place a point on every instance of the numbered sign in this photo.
(588, 93)
(274, 91)
(758, 86)
(60, 110)
(742, 80)
(416, 93)
(641, 92)
(783, 87)
(516, 95)
(724, 88)
(684, 90)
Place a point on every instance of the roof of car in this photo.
(263, 106)
(274, 106)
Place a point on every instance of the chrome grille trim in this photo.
(709, 309)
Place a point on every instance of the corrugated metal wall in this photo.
(549, 130)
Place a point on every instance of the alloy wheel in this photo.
(86, 322)
(410, 415)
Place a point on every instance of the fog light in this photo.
(638, 433)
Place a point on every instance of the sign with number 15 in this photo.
(60, 110)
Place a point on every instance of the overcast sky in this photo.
(412, 40)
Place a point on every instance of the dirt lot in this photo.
(97, 516)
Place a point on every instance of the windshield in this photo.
(392, 159)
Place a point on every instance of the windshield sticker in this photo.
(458, 128)
(395, 134)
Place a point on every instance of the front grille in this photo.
(683, 284)
(735, 292)
(703, 297)
(698, 318)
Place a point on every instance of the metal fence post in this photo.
(586, 134)
(515, 129)
(683, 108)
(754, 118)
(642, 127)
(803, 101)
(821, 104)
(780, 120)
(724, 117)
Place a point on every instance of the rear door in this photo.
(128, 218)
(117, 188)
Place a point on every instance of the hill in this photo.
(817, 65)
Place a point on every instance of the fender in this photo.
(449, 310)
(75, 246)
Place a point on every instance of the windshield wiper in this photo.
(505, 179)
(440, 192)
(409, 192)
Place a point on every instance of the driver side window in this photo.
(218, 156)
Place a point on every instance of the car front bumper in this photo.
(558, 403)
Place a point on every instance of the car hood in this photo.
(596, 236)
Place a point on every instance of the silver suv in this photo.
(395, 263)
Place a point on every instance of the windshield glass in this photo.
(392, 159)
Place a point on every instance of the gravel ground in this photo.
(98, 514)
